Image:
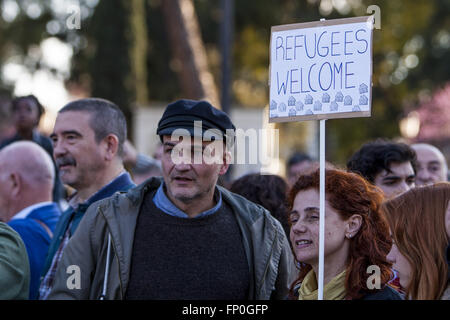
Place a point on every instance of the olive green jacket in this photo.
(14, 265)
(83, 267)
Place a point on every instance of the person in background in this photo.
(140, 166)
(432, 166)
(297, 164)
(420, 226)
(180, 236)
(14, 266)
(26, 184)
(27, 112)
(88, 140)
(267, 190)
(157, 155)
(356, 237)
(389, 165)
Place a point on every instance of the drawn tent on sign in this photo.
(363, 88)
(308, 99)
(291, 101)
(363, 100)
(334, 106)
(273, 105)
(347, 101)
(292, 112)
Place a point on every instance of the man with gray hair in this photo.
(26, 184)
(432, 166)
(88, 140)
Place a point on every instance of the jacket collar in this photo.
(136, 195)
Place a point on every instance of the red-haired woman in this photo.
(420, 224)
(356, 238)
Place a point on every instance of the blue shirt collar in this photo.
(122, 182)
(163, 203)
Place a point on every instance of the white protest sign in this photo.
(321, 70)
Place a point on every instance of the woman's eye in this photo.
(434, 169)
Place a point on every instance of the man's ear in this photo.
(354, 223)
(111, 145)
(226, 162)
(15, 184)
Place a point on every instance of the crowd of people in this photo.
(86, 216)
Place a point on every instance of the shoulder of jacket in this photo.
(10, 241)
(8, 231)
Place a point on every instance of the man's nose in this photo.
(183, 166)
(424, 176)
(58, 149)
(403, 187)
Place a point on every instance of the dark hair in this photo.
(349, 194)
(376, 156)
(297, 157)
(15, 103)
(269, 191)
(106, 118)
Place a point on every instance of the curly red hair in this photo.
(349, 194)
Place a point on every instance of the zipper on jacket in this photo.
(115, 251)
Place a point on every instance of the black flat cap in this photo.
(181, 114)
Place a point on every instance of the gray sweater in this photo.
(187, 258)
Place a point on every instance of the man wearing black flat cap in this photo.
(180, 236)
